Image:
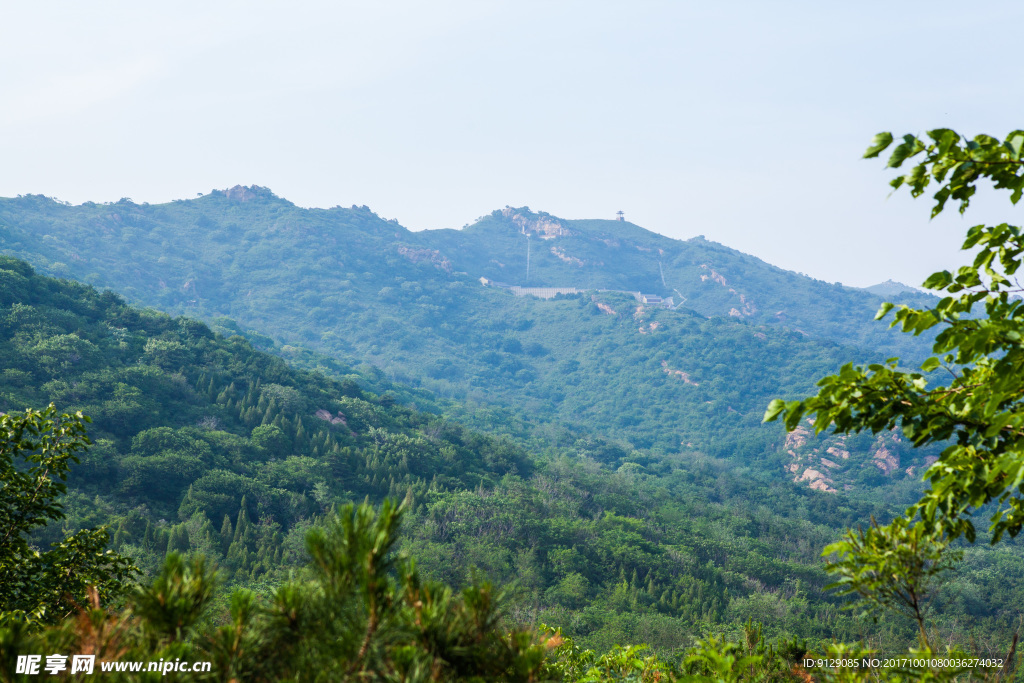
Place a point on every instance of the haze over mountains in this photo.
(586, 254)
(891, 288)
(354, 286)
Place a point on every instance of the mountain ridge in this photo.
(610, 254)
(350, 284)
(561, 261)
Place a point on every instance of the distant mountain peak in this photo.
(891, 288)
(245, 193)
(544, 225)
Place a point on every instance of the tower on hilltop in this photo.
(621, 216)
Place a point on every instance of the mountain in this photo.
(891, 288)
(343, 282)
(197, 254)
(698, 274)
(203, 443)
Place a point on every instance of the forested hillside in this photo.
(203, 443)
(356, 287)
(198, 253)
(697, 273)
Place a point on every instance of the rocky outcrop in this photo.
(838, 452)
(561, 255)
(430, 255)
(886, 460)
(338, 419)
(676, 373)
(842, 465)
(746, 307)
(816, 480)
(545, 227)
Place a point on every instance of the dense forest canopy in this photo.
(204, 444)
(354, 287)
(605, 500)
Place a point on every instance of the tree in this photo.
(893, 567)
(36, 452)
(361, 612)
(376, 616)
(970, 393)
(968, 396)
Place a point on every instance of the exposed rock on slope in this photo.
(546, 227)
(833, 462)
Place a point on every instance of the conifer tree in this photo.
(226, 534)
(178, 540)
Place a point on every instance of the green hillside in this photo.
(702, 275)
(203, 443)
(352, 286)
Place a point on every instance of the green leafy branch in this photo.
(955, 163)
(976, 406)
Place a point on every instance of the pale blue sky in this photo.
(741, 121)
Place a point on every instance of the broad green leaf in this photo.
(775, 408)
(1015, 144)
(938, 280)
(878, 145)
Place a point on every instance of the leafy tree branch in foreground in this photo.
(970, 393)
(968, 396)
(37, 449)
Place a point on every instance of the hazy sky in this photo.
(741, 121)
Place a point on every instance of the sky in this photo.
(740, 121)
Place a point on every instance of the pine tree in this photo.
(242, 524)
(235, 557)
(188, 506)
(178, 540)
(226, 534)
(120, 536)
